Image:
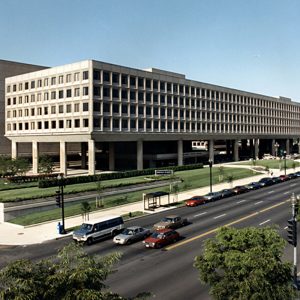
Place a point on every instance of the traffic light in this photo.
(292, 232)
(58, 198)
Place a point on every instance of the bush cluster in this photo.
(30, 178)
(45, 183)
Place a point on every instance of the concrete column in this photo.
(92, 150)
(35, 157)
(287, 146)
(180, 153)
(273, 151)
(14, 149)
(236, 150)
(140, 155)
(211, 150)
(111, 156)
(63, 157)
(83, 155)
(256, 148)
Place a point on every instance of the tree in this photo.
(230, 179)
(46, 164)
(221, 173)
(86, 209)
(99, 198)
(72, 274)
(4, 162)
(246, 264)
(18, 166)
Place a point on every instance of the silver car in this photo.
(131, 234)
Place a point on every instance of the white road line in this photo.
(286, 227)
(220, 216)
(286, 193)
(270, 192)
(258, 202)
(200, 214)
(240, 201)
(293, 184)
(262, 223)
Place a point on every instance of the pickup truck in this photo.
(172, 221)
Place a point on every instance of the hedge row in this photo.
(108, 176)
(30, 178)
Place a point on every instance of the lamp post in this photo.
(210, 174)
(284, 156)
(276, 149)
(61, 184)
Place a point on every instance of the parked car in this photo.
(292, 175)
(213, 196)
(276, 179)
(240, 189)
(297, 174)
(161, 238)
(253, 186)
(284, 177)
(131, 234)
(227, 193)
(195, 200)
(172, 221)
(266, 181)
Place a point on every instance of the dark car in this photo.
(195, 201)
(292, 176)
(266, 181)
(253, 186)
(297, 174)
(161, 238)
(227, 193)
(276, 179)
(240, 189)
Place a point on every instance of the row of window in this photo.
(53, 95)
(45, 82)
(54, 124)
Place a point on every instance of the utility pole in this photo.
(60, 201)
(210, 174)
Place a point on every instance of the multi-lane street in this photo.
(169, 273)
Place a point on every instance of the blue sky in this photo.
(251, 45)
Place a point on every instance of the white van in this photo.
(96, 229)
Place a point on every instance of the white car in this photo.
(131, 234)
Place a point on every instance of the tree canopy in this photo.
(246, 264)
(72, 274)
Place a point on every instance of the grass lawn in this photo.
(191, 179)
(273, 163)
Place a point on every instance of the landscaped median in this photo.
(272, 163)
(191, 179)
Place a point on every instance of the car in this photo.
(266, 181)
(131, 234)
(213, 196)
(276, 179)
(284, 177)
(253, 186)
(292, 176)
(240, 189)
(161, 238)
(195, 200)
(227, 193)
(297, 174)
(172, 221)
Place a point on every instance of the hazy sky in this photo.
(252, 45)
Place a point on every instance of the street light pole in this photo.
(61, 184)
(294, 213)
(210, 174)
(276, 149)
(284, 156)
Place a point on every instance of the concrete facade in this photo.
(93, 102)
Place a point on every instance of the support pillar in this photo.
(211, 151)
(63, 157)
(111, 156)
(14, 149)
(180, 153)
(251, 148)
(256, 149)
(236, 150)
(92, 150)
(287, 147)
(140, 155)
(83, 155)
(273, 151)
(35, 157)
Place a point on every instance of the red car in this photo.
(284, 177)
(194, 201)
(161, 238)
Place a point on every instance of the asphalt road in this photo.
(169, 273)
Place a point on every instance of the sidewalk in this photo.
(11, 234)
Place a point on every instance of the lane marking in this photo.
(286, 227)
(286, 193)
(205, 212)
(262, 223)
(240, 201)
(258, 202)
(226, 225)
(270, 192)
(293, 184)
(220, 216)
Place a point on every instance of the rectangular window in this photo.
(53, 124)
(60, 109)
(69, 108)
(61, 123)
(53, 109)
(32, 98)
(77, 123)
(76, 92)
(53, 80)
(85, 122)
(32, 84)
(76, 76)
(53, 95)
(85, 75)
(69, 123)
(26, 85)
(85, 91)
(20, 86)
(46, 96)
(14, 88)
(39, 97)
(76, 107)
(68, 78)
(85, 106)
(97, 75)
(69, 93)
(61, 79)
(60, 94)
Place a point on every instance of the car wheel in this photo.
(158, 246)
(89, 241)
(114, 233)
(129, 242)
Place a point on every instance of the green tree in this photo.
(99, 198)
(229, 179)
(86, 209)
(221, 173)
(46, 164)
(72, 274)
(18, 166)
(246, 264)
(4, 163)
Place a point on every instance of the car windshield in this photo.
(86, 227)
(157, 235)
(168, 220)
(127, 231)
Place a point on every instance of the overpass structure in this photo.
(125, 118)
